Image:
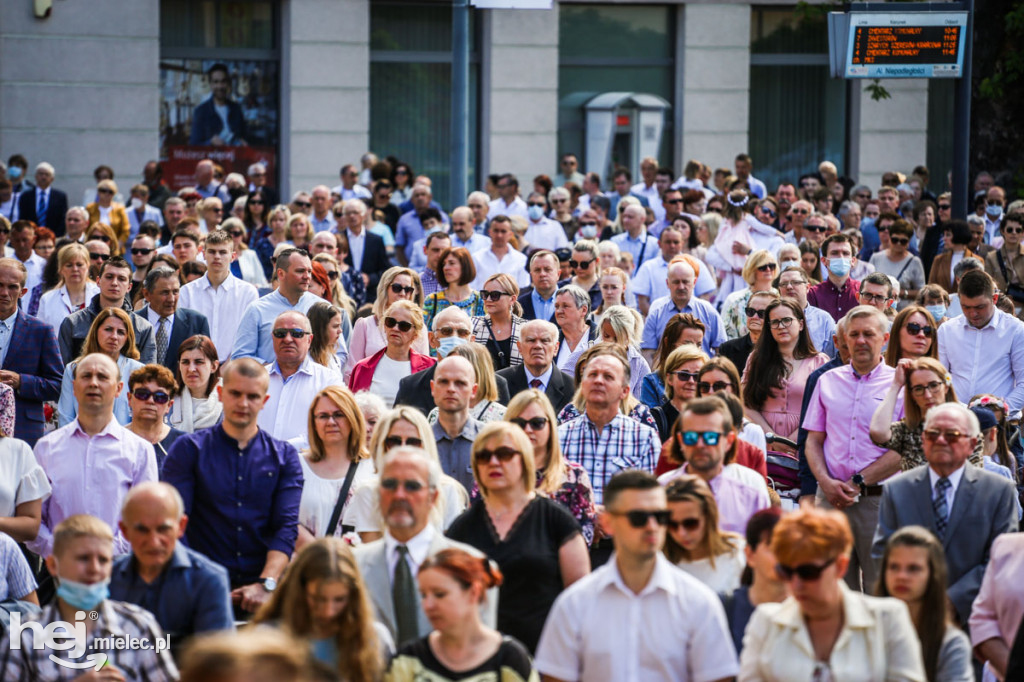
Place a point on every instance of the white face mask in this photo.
(136, 203)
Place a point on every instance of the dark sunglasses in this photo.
(536, 204)
(767, 267)
(806, 572)
(692, 523)
(303, 204)
(638, 518)
(396, 441)
(142, 252)
(444, 332)
(144, 394)
(588, 224)
(411, 486)
(945, 207)
(391, 323)
(683, 375)
(914, 328)
(333, 275)
(503, 454)
(691, 437)
(903, 241)
(295, 333)
(102, 237)
(99, 256)
(537, 423)
(768, 212)
(338, 214)
(399, 289)
(1013, 230)
(752, 312)
(254, 201)
(235, 233)
(815, 228)
(105, 191)
(493, 295)
(582, 265)
(800, 211)
(706, 387)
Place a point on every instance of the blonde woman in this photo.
(498, 329)
(300, 231)
(381, 372)
(758, 272)
(107, 211)
(613, 282)
(74, 290)
(484, 406)
(246, 265)
(622, 327)
(277, 220)
(396, 284)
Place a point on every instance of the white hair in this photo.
(44, 166)
(954, 410)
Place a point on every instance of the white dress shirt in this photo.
(285, 414)
(986, 360)
(512, 263)
(418, 546)
(652, 196)
(499, 207)
(34, 265)
(55, 304)
(223, 307)
(356, 246)
(154, 319)
(546, 234)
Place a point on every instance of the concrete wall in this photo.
(81, 88)
(893, 132)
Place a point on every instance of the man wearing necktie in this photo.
(44, 205)
(965, 506)
(173, 324)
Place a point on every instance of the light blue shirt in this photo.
(543, 378)
(6, 332)
(821, 327)
(542, 309)
(643, 248)
(254, 339)
(663, 309)
(476, 242)
(328, 224)
(67, 405)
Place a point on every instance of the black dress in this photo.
(416, 662)
(528, 559)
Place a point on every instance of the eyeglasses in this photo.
(792, 283)
(142, 252)
(930, 387)
(1013, 230)
(782, 323)
(691, 524)
(295, 333)
(691, 437)
(535, 424)
(799, 211)
(872, 298)
(706, 387)
(638, 518)
(493, 295)
(396, 441)
(754, 312)
(304, 204)
(951, 436)
(402, 325)
(401, 172)
(410, 485)
(504, 454)
(325, 417)
(144, 394)
(899, 240)
(806, 572)
(945, 207)
(884, 228)
(914, 328)
(767, 267)
(99, 256)
(448, 331)
(581, 264)
(683, 375)
(250, 202)
(397, 288)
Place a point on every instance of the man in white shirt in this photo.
(323, 219)
(983, 347)
(543, 232)
(463, 233)
(23, 236)
(637, 617)
(648, 187)
(500, 257)
(509, 202)
(635, 239)
(350, 187)
(744, 165)
(294, 378)
(218, 294)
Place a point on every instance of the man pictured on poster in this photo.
(218, 121)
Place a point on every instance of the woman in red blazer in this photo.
(381, 372)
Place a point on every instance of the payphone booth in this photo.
(621, 129)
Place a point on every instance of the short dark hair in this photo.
(186, 235)
(437, 234)
(628, 479)
(961, 231)
(838, 238)
(976, 283)
(465, 261)
(622, 173)
(881, 279)
(219, 66)
(148, 228)
(114, 262)
(156, 274)
(431, 212)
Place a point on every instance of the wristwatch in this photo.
(269, 584)
(858, 480)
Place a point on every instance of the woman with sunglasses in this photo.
(897, 261)
(335, 461)
(738, 350)
(396, 284)
(912, 336)
(1006, 264)
(535, 541)
(498, 329)
(914, 571)
(380, 373)
(758, 272)
(109, 212)
(927, 383)
(563, 481)
(585, 266)
(113, 335)
(810, 261)
(681, 375)
(104, 233)
(455, 271)
(197, 405)
(403, 425)
(151, 392)
(824, 630)
(246, 265)
(682, 329)
(759, 584)
(277, 220)
(257, 210)
(694, 541)
(74, 290)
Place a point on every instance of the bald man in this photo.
(454, 387)
(186, 592)
(680, 282)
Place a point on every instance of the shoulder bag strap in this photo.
(1002, 265)
(342, 496)
(904, 268)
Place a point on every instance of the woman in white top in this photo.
(572, 307)
(335, 464)
(74, 290)
(402, 426)
(694, 541)
(247, 265)
(396, 284)
(381, 372)
(23, 483)
(197, 406)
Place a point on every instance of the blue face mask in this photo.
(937, 311)
(588, 231)
(14, 173)
(840, 267)
(789, 264)
(448, 344)
(82, 596)
(994, 210)
(535, 213)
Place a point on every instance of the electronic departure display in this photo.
(907, 45)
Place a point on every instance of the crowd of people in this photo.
(682, 429)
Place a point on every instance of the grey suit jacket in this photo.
(983, 508)
(372, 561)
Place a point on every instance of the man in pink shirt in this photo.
(837, 294)
(847, 465)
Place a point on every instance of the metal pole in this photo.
(460, 102)
(961, 190)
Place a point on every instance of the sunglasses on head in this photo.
(99, 256)
(144, 394)
(536, 423)
(638, 518)
(753, 312)
(914, 328)
(410, 485)
(683, 375)
(391, 323)
(706, 387)
(493, 295)
(806, 572)
(504, 454)
(399, 289)
(295, 333)
(691, 524)
(142, 252)
(581, 264)
(691, 437)
(396, 441)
